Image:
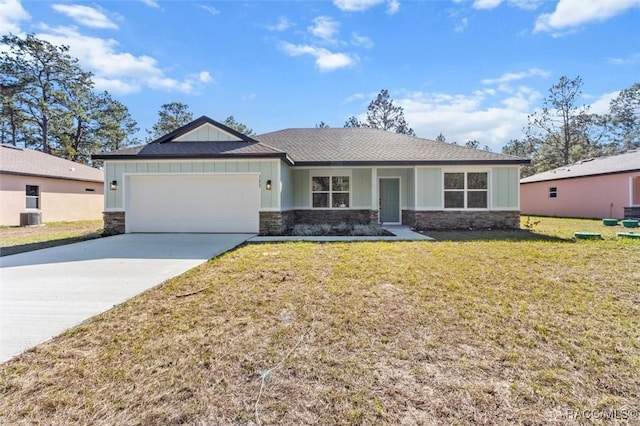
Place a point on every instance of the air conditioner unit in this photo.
(30, 218)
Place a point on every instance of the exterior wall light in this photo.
(268, 186)
(114, 185)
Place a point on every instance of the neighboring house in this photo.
(604, 187)
(52, 188)
(206, 177)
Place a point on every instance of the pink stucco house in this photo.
(605, 187)
(38, 185)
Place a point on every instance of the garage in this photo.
(193, 203)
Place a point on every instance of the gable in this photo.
(207, 133)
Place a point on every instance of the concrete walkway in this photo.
(45, 292)
(400, 233)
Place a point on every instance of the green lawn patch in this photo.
(454, 332)
(16, 239)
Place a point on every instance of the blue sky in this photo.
(468, 69)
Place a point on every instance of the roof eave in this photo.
(414, 163)
(550, 179)
(40, 175)
(108, 157)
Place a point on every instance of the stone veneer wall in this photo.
(275, 223)
(444, 220)
(333, 217)
(113, 223)
(632, 212)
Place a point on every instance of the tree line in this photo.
(48, 102)
(564, 131)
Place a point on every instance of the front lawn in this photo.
(467, 332)
(16, 239)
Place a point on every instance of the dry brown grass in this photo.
(482, 332)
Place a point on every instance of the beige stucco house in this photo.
(49, 188)
(604, 187)
(207, 177)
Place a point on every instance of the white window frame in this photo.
(330, 174)
(37, 198)
(466, 190)
(553, 192)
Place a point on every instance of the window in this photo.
(33, 196)
(330, 191)
(466, 190)
(553, 192)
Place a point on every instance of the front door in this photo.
(390, 200)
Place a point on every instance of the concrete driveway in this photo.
(45, 292)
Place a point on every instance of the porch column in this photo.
(374, 190)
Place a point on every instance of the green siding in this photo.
(301, 184)
(361, 188)
(404, 182)
(505, 183)
(267, 169)
(286, 187)
(429, 188)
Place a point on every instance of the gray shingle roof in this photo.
(192, 150)
(165, 147)
(325, 146)
(19, 161)
(627, 162)
(365, 145)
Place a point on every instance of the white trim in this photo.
(330, 173)
(192, 160)
(399, 179)
(470, 170)
(375, 203)
(415, 187)
(114, 210)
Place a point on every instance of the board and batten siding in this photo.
(361, 189)
(505, 186)
(115, 170)
(206, 133)
(429, 189)
(286, 187)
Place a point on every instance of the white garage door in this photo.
(192, 203)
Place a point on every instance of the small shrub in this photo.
(342, 228)
(323, 229)
(302, 230)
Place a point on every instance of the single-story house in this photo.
(37, 187)
(207, 177)
(603, 187)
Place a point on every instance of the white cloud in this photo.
(324, 27)
(212, 10)
(631, 59)
(486, 4)
(151, 3)
(363, 41)
(283, 24)
(601, 104)
(360, 5)
(462, 25)
(204, 77)
(570, 14)
(514, 76)
(325, 59)
(11, 14)
(482, 115)
(492, 4)
(85, 15)
(119, 72)
(393, 7)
